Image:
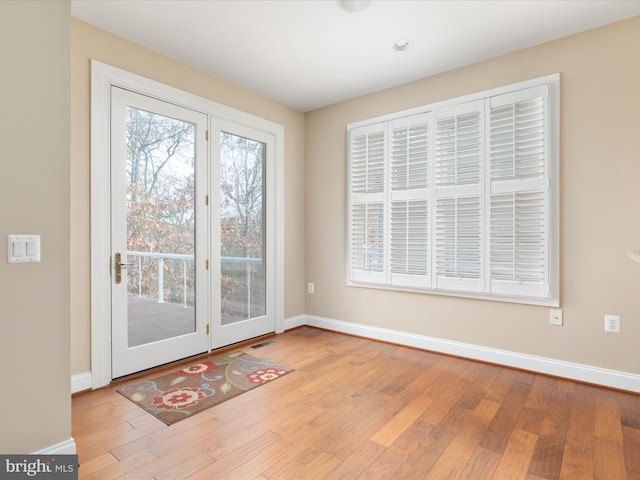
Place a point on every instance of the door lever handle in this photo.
(119, 266)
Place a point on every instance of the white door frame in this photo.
(103, 76)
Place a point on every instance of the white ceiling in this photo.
(311, 53)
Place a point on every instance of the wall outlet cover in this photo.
(555, 317)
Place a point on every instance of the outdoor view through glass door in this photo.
(161, 279)
(245, 225)
(156, 161)
(241, 224)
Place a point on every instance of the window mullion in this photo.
(387, 203)
(432, 202)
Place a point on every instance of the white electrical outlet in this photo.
(311, 288)
(612, 323)
(555, 317)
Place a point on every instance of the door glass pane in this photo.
(160, 227)
(242, 164)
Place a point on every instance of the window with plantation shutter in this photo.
(459, 197)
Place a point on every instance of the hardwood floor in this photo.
(356, 408)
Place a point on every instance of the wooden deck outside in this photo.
(150, 321)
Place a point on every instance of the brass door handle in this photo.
(119, 266)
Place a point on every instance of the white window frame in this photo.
(482, 286)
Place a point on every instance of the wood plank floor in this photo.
(357, 408)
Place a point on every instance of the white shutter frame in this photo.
(458, 252)
(409, 201)
(367, 217)
(519, 200)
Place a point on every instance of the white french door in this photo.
(159, 242)
(243, 246)
(192, 237)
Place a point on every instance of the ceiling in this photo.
(311, 53)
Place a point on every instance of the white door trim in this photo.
(103, 76)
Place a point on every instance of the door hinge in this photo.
(206, 135)
(207, 329)
(206, 265)
(206, 199)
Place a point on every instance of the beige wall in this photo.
(34, 199)
(600, 200)
(89, 42)
(599, 194)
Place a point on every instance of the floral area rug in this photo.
(185, 392)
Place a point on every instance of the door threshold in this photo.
(176, 365)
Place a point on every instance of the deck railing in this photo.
(160, 257)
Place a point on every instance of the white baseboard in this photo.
(68, 447)
(549, 366)
(558, 368)
(294, 322)
(80, 382)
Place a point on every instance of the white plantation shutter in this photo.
(409, 255)
(460, 197)
(459, 157)
(519, 193)
(367, 213)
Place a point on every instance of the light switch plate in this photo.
(23, 248)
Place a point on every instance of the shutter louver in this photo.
(367, 165)
(367, 237)
(517, 233)
(457, 150)
(409, 238)
(517, 140)
(458, 228)
(409, 157)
